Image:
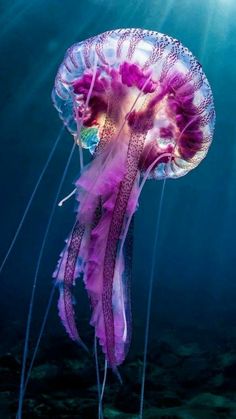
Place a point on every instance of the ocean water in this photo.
(191, 354)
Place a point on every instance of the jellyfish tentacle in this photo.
(39, 338)
(100, 413)
(151, 281)
(31, 305)
(29, 203)
(67, 197)
(104, 380)
(153, 265)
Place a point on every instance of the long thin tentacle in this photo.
(39, 336)
(67, 197)
(153, 263)
(150, 286)
(26, 344)
(100, 413)
(43, 327)
(41, 330)
(27, 208)
(103, 383)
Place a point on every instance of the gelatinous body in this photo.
(149, 114)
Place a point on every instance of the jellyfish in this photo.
(139, 101)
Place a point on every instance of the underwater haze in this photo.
(191, 360)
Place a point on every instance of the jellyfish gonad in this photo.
(141, 104)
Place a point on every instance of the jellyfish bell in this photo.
(153, 70)
(140, 103)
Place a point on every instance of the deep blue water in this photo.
(195, 285)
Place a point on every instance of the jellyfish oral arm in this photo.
(114, 347)
(65, 278)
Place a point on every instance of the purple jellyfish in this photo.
(140, 103)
